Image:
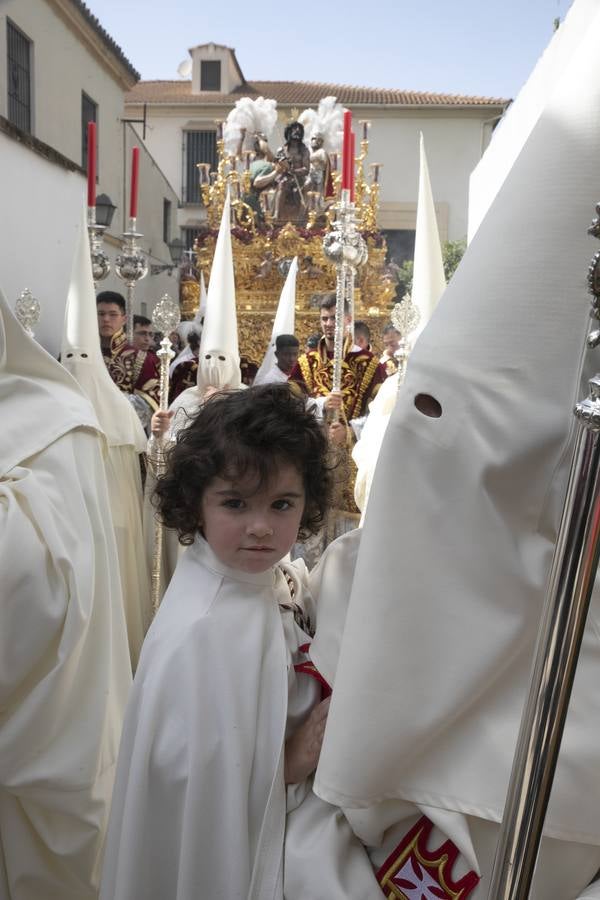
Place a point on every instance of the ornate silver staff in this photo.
(27, 311)
(344, 246)
(405, 318)
(165, 318)
(559, 641)
(131, 265)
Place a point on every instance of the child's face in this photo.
(251, 530)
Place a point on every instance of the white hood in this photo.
(464, 508)
(82, 357)
(219, 356)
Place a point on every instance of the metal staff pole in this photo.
(344, 246)
(165, 318)
(559, 641)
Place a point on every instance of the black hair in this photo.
(111, 297)
(312, 342)
(141, 320)
(288, 130)
(328, 301)
(286, 340)
(361, 328)
(239, 432)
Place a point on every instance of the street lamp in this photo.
(176, 247)
(105, 210)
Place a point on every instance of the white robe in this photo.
(64, 670)
(64, 666)
(564, 867)
(200, 802)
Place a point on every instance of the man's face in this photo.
(286, 358)
(391, 342)
(143, 337)
(296, 132)
(328, 323)
(316, 142)
(110, 319)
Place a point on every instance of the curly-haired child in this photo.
(224, 713)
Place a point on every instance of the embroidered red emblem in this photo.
(412, 872)
(307, 667)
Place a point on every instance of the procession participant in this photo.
(185, 374)
(362, 335)
(461, 526)
(361, 378)
(391, 342)
(278, 363)
(286, 356)
(143, 333)
(64, 665)
(81, 356)
(361, 373)
(218, 370)
(213, 737)
(135, 372)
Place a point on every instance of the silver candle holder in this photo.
(131, 265)
(344, 245)
(27, 311)
(100, 261)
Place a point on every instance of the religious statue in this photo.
(293, 165)
(319, 176)
(263, 174)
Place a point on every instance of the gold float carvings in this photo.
(262, 253)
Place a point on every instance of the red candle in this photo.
(346, 151)
(135, 168)
(352, 164)
(91, 163)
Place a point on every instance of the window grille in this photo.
(19, 77)
(200, 147)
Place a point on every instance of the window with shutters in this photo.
(199, 147)
(210, 75)
(18, 54)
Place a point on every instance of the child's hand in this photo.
(302, 750)
(160, 422)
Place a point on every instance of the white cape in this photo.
(200, 803)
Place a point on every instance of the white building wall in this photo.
(41, 200)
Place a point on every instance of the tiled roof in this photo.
(301, 93)
(105, 37)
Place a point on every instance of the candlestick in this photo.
(352, 172)
(376, 167)
(346, 150)
(135, 167)
(131, 265)
(91, 163)
(334, 162)
(365, 132)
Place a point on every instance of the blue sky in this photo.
(478, 47)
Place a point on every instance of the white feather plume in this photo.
(328, 120)
(254, 116)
